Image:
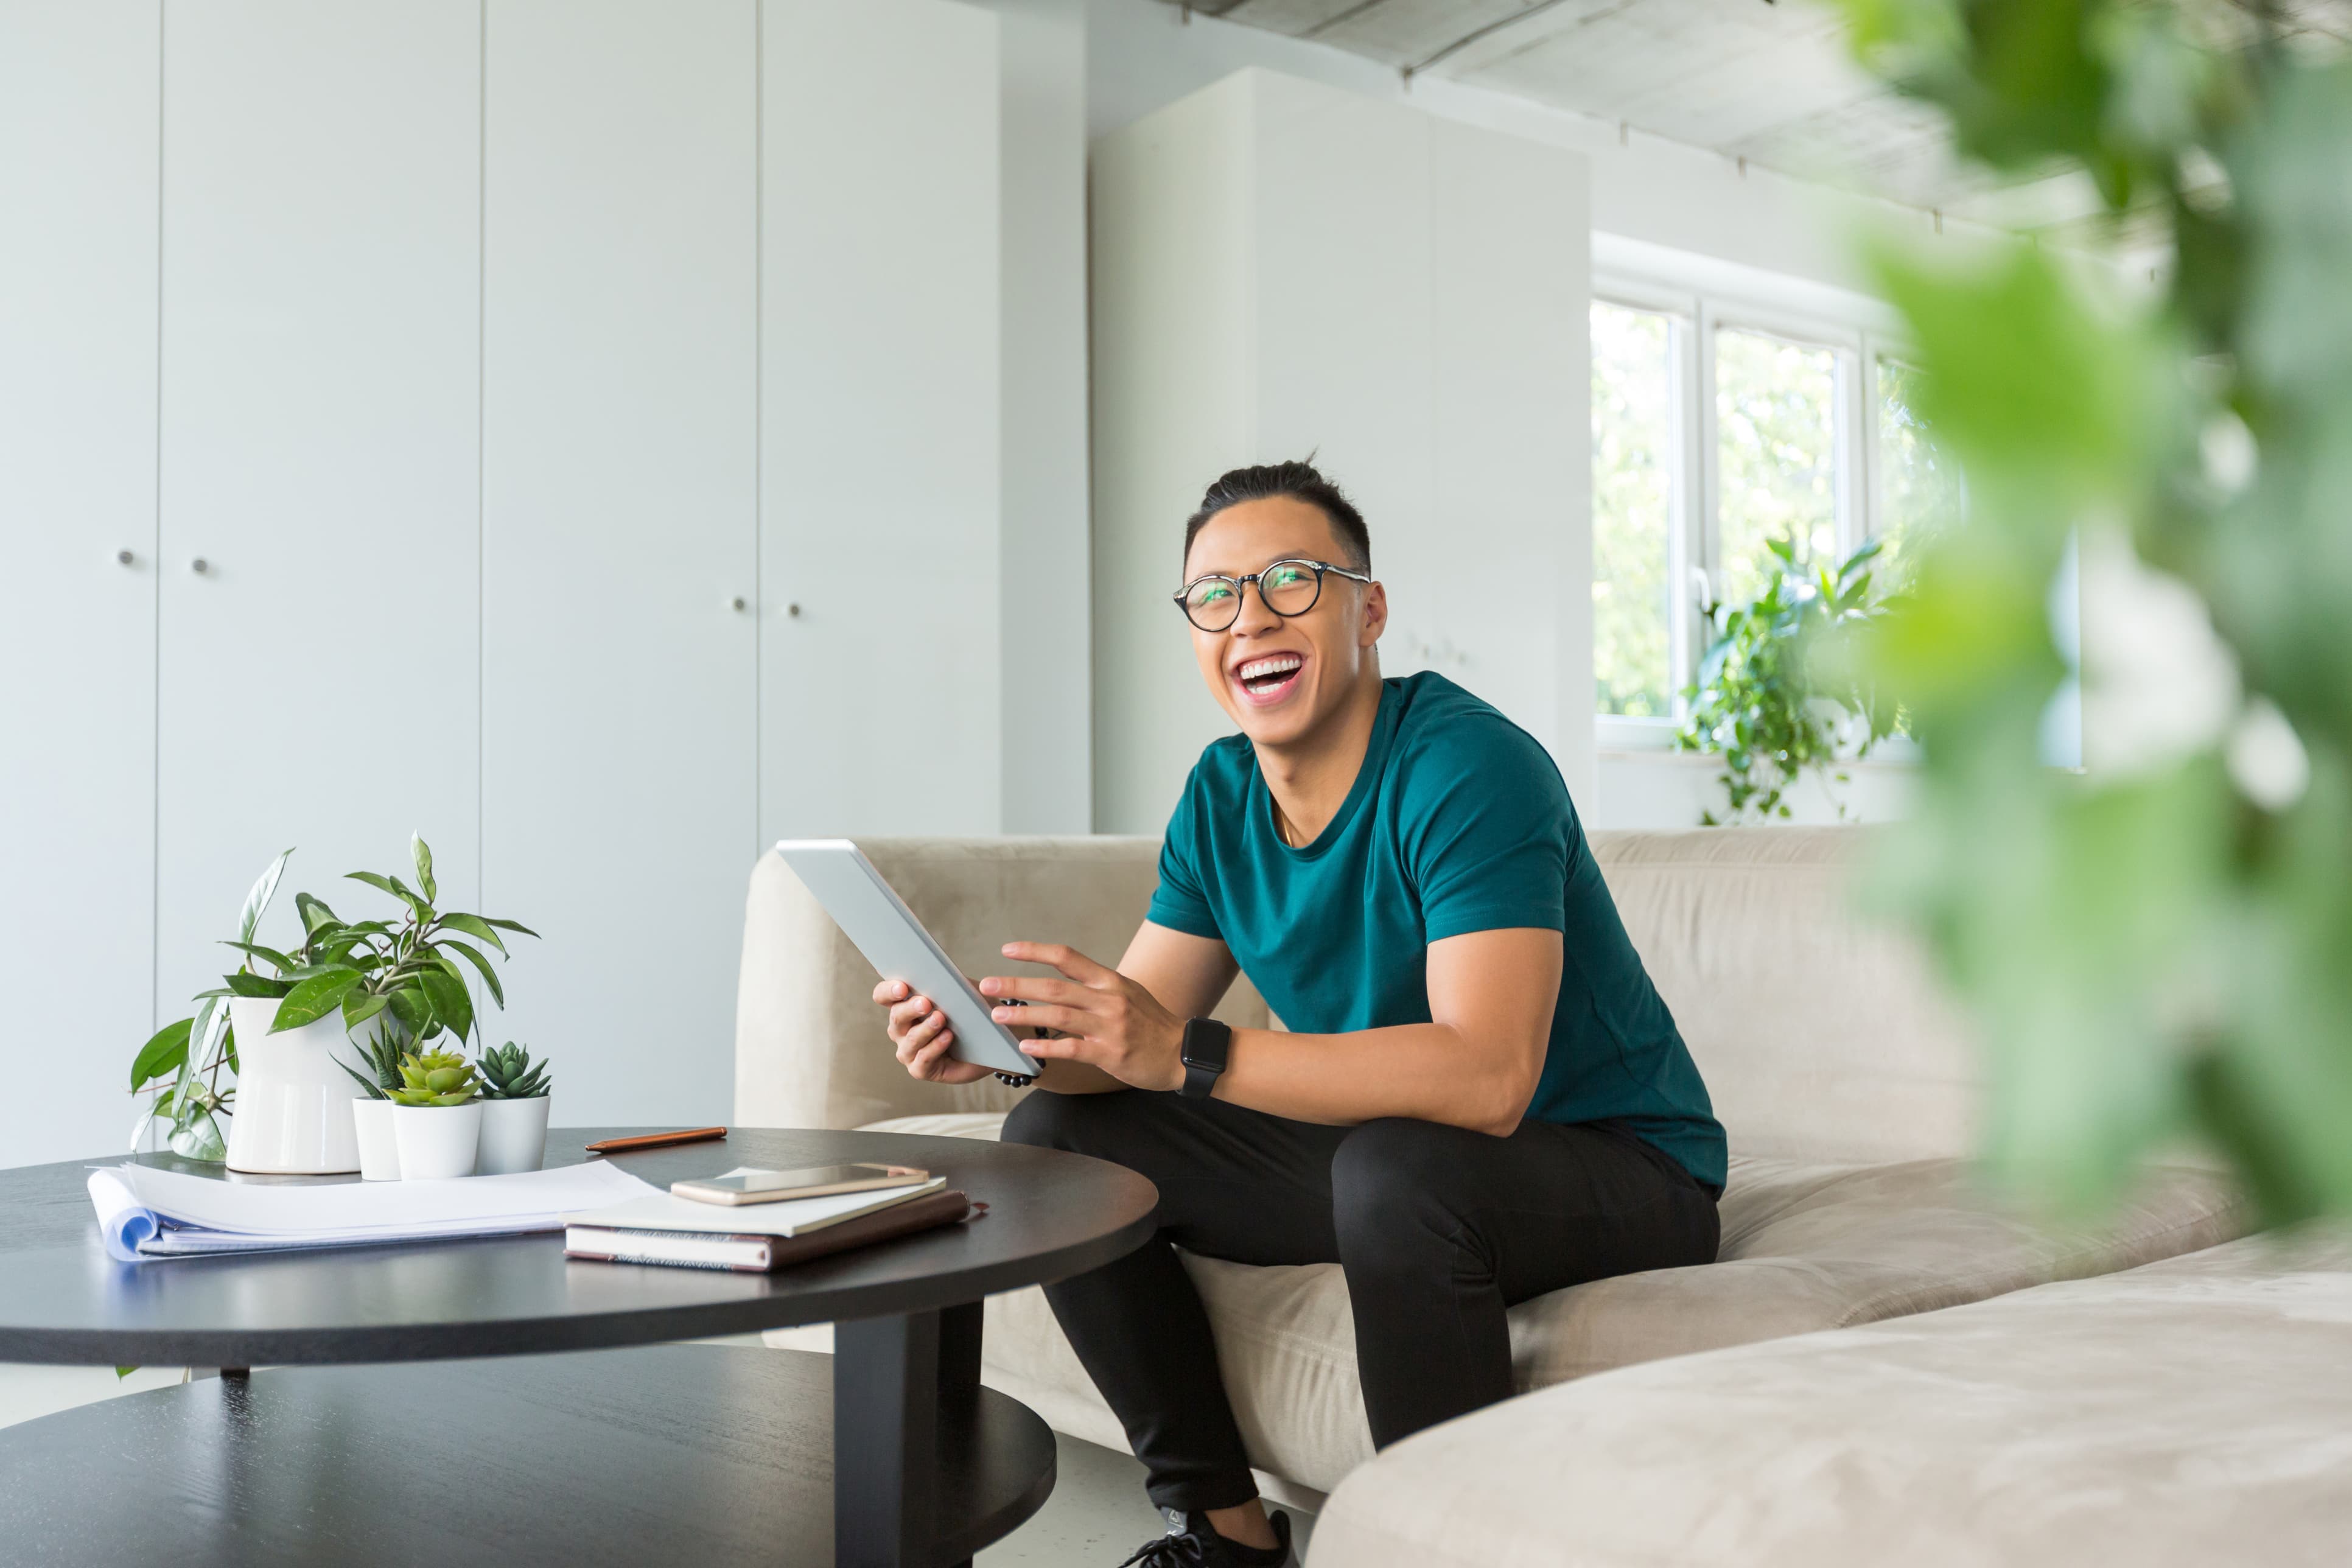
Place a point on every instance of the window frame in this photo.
(1699, 297)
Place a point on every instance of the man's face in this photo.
(1280, 678)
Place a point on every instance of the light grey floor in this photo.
(1097, 1515)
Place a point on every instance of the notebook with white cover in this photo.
(795, 1216)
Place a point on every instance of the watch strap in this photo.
(1208, 1046)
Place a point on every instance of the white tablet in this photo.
(874, 919)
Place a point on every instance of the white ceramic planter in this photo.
(437, 1141)
(514, 1136)
(379, 1143)
(293, 1103)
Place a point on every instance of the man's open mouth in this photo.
(1269, 680)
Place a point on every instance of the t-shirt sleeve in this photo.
(1489, 834)
(1178, 902)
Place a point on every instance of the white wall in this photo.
(1282, 267)
(443, 331)
(1658, 790)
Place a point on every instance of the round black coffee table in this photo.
(701, 1454)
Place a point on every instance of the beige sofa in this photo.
(1847, 1089)
(2191, 1413)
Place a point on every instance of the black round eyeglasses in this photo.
(1288, 588)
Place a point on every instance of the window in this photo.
(1720, 424)
(1918, 486)
(1635, 505)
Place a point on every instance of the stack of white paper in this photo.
(145, 1212)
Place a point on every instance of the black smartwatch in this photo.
(1208, 1046)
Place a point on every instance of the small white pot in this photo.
(293, 1103)
(437, 1141)
(514, 1136)
(379, 1143)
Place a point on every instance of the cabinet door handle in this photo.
(739, 604)
(200, 566)
(125, 557)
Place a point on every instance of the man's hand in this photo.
(1102, 1017)
(920, 1034)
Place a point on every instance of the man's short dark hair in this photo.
(1299, 482)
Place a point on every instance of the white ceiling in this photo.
(1773, 83)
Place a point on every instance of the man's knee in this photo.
(1071, 1122)
(1391, 1182)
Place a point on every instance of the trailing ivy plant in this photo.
(1762, 704)
(410, 972)
(2160, 945)
(180, 1067)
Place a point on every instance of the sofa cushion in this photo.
(1805, 1248)
(2191, 1412)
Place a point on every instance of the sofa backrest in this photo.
(1820, 1037)
(809, 1044)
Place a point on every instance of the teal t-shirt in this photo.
(1458, 821)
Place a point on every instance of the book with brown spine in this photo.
(754, 1253)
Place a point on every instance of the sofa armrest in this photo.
(810, 1050)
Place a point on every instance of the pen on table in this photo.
(655, 1141)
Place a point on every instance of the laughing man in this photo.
(1484, 1099)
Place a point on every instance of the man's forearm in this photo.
(1427, 1071)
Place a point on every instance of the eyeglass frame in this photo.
(1240, 585)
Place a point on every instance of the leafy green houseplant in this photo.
(2155, 948)
(410, 973)
(408, 968)
(1765, 705)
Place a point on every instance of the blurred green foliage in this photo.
(2160, 946)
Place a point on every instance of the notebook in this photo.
(757, 1238)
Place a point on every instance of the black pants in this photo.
(1438, 1229)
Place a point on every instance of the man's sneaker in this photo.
(1190, 1544)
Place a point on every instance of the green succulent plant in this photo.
(436, 1078)
(509, 1073)
(381, 1051)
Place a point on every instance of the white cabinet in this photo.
(318, 675)
(77, 215)
(879, 429)
(1281, 269)
(510, 366)
(618, 534)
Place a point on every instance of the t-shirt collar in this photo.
(1376, 755)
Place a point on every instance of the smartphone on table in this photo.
(816, 1181)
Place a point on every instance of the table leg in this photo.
(893, 1379)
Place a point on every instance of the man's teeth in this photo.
(1259, 668)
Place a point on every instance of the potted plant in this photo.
(437, 1116)
(379, 1143)
(405, 982)
(514, 1111)
(1762, 702)
(293, 1115)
